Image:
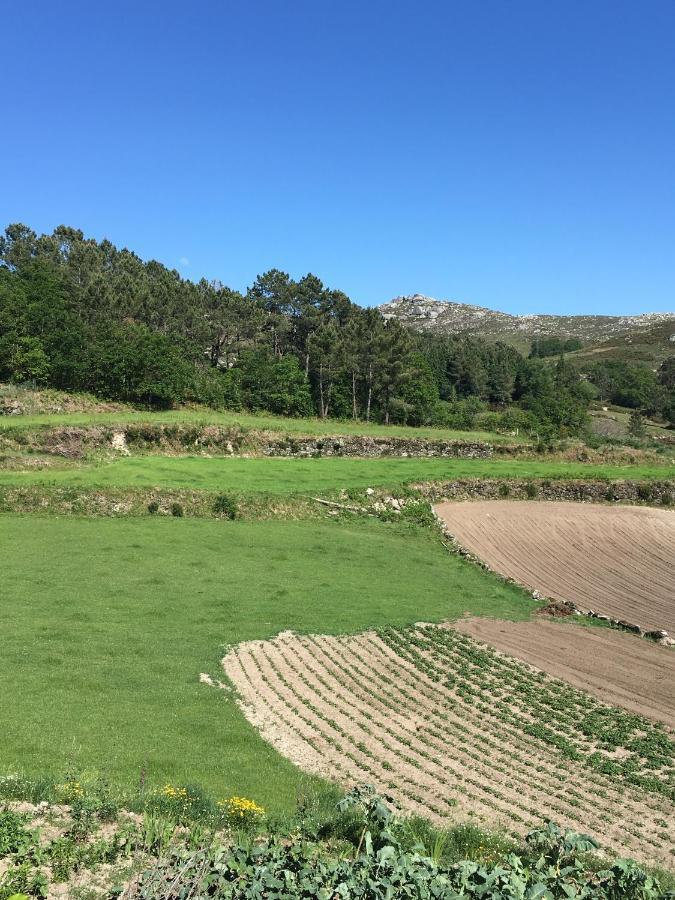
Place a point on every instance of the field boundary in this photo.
(384, 502)
(74, 442)
(650, 491)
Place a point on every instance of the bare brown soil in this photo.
(614, 666)
(352, 709)
(616, 560)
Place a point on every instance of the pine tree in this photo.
(636, 424)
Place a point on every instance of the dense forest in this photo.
(83, 315)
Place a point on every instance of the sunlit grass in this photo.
(298, 476)
(108, 623)
(248, 421)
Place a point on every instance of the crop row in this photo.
(450, 731)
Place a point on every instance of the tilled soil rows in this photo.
(457, 732)
(615, 667)
(616, 560)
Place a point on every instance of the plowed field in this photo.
(617, 560)
(615, 667)
(456, 731)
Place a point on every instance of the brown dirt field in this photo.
(617, 668)
(616, 560)
(355, 710)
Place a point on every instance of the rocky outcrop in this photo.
(449, 317)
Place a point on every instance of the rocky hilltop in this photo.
(446, 316)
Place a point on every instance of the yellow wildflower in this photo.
(240, 809)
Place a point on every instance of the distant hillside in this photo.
(649, 345)
(447, 317)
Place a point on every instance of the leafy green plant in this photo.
(552, 864)
(15, 838)
(22, 880)
(225, 505)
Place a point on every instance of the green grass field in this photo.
(108, 623)
(299, 476)
(250, 422)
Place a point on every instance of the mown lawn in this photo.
(107, 623)
(250, 421)
(301, 476)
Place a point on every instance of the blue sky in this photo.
(519, 155)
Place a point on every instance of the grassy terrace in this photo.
(108, 623)
(297, 476)
(248, 421)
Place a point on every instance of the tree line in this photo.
(83, 315)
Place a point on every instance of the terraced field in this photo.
(293, 476)
(617, 560)
(456, 731)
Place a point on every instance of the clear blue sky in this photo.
(519, 155)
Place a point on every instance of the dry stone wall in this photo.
(579, 490)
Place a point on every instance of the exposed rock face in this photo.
(446, 316)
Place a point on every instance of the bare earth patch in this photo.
(616, 560)
(615, 667)
(452, 731)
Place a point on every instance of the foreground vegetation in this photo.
(181, 847)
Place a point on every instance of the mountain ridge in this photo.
(450, 317)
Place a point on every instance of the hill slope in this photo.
(447, 317)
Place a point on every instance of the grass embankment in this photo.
(300, 476)
(108, 623)
(204, 416)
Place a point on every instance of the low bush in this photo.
(177, 510)
(225, 505)
(645, 492)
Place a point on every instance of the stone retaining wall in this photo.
(76, 442)
(579, 490)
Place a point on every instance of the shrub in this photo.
(504, 489)
(644, 492)
(666, 498)
(153, 507)
(176, 510)
(225, 505)
(531, 490)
